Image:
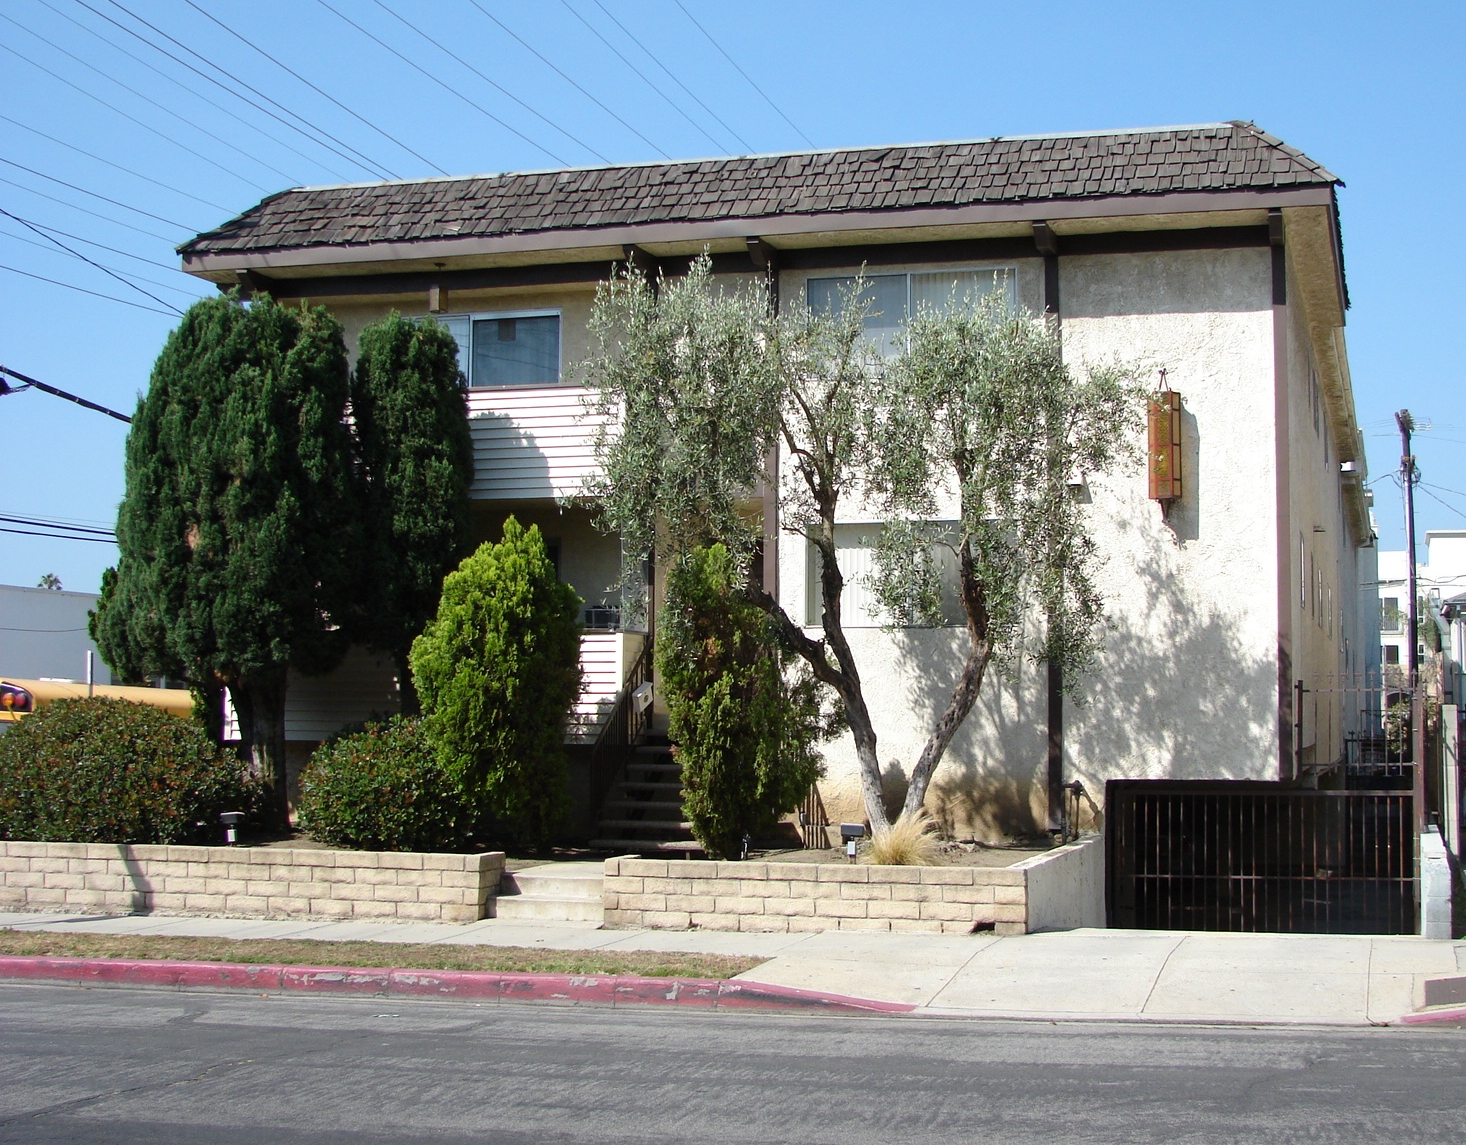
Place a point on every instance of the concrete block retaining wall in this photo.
(252, 882)
(675, 894)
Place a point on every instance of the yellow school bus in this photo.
(19, 698)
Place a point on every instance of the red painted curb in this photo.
(1454, 1014)
(469, 985)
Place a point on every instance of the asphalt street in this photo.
(135, 1066)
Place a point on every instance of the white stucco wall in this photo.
(1187, 684)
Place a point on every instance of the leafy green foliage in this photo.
(745, 733)
(497, 670)
(982, 401)
(238, 530)
(109, 771)
(383, 789)
(705, 381)
(414, 465)
(690, 391)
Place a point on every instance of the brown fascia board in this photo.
(578, 243)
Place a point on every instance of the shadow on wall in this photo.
(987, 782)
(1178, 691)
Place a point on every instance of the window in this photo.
(894, 296)
(1392, 654)
(512, 349)
(859, 607)
(1389, 614)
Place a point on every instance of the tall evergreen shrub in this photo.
(238, 529)
(414, 465)
(497, 671)
(746, 732)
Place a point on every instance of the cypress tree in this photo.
(238, 526)
(415, 465)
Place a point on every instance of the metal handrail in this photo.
(622, 727)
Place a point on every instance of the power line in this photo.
(89, 262)
(362, 161)
(140, 278)
(668, 71)
(52, 537)
(497, 87)
(643, 77)
(451, 90)
(1426, 490)
(85, 211)
(109, 163)
(661, 151)
(93, 194)
(133, 119)
(83, 290)
(741, 72)
(102, 246)
(196, 94)
(318, 91)
(30, 382)
(42, 523)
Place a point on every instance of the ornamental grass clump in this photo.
(383, 789)
(110, 771)
(908, 842)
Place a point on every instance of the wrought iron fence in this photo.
(1258, 856)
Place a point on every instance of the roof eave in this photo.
(788, 229)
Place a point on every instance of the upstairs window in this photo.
(509, 349)
(893, 297)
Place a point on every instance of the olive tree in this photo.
(699, 383)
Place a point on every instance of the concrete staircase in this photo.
(555, 892)
(642, 814)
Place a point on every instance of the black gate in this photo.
(1257, 856)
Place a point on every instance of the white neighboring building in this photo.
(43, 634)
(1441, 583)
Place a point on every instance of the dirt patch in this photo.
(958, 855)
(382, 955)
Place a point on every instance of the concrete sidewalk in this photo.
(1110, 975)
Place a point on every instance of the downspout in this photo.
(1048, 245)
(1282, 508)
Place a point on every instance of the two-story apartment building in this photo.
(1210, 251)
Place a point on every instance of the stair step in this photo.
(557, 880)
(647, 846)
(644, 805)
(643, 784)
(549, 908)
(660, 824)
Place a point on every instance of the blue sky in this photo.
(1372, 91)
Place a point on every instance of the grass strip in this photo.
(392, 955)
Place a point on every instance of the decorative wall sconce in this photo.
(1167, 479)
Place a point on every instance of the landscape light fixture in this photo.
(231, 821)
(850, 832)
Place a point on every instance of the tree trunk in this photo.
(260, 703)
(406, 691)
(964, 695)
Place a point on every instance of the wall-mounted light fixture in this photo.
(1167, 480)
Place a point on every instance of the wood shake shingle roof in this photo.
(1211, 157)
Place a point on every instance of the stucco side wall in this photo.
(1186, 685)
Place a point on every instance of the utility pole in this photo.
(1412, 623)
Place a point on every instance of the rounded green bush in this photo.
(383, 789)
(110, 771)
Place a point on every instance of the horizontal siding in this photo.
(363, 687)
(601, 674)
(534, 442)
